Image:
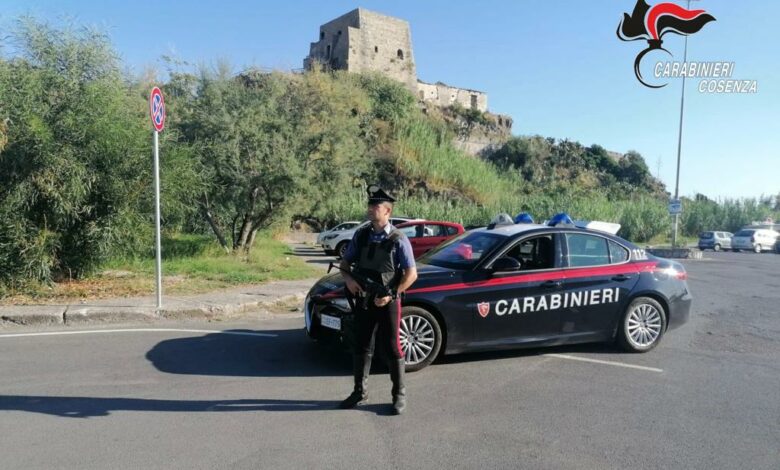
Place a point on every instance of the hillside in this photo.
(251, 152)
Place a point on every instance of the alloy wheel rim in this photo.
(644, 325)
(417, 339)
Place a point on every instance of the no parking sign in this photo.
(157, 113)
(157, 109)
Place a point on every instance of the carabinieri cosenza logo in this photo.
(651, 23)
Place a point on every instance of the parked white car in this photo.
(335, 242)
(757, 240)
(335, 230)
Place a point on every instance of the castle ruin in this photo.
(362, 41)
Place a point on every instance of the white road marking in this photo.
(132, 330)
(608, 363)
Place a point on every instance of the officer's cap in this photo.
(377, 195)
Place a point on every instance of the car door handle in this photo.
(621, 278)
(551, 284)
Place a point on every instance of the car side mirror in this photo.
(507, 264)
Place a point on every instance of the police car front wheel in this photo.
(420, 336)
(642, 325)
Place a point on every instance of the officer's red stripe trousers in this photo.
(398, 327)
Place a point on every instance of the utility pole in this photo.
(679, 145)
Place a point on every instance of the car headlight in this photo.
(330, 237)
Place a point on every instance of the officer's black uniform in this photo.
(376, 260)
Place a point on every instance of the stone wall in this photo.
(384, 44)
(444, 95)
(332, 47)
(362, 41)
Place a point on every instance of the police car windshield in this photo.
(465, 251)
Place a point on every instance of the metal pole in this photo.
(158, 250)
(679, 144)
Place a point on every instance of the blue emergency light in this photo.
(560, 219)
(524, 218)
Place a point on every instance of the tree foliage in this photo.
(269, 145)
(72, 179)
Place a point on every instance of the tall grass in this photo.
(425, 152)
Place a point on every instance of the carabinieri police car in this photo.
(524, 285)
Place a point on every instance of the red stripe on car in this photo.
(570, 273)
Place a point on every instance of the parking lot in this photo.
(183, 395)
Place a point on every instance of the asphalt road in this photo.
(708, 397)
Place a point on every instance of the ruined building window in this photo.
(422, 95)
(322, 34)
(327, 53)
(339, 32)
(400, 54)
(376, 49)
(473, 101)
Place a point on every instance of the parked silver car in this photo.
(715, 241)
(756, 240)
(335, 241)
(335, 230)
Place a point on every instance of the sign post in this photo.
(157, 113)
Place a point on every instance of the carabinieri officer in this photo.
(383, 253)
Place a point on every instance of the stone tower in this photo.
(362, 41)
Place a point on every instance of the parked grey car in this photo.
(715, 241)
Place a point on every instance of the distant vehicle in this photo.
(715, 241)
(336, 243)
(333, 232)
(756, 240)
(425, 235)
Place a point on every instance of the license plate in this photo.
(334, 323)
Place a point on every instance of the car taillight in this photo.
(677, 273)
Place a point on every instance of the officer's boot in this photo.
(397, 368)
(361, 366)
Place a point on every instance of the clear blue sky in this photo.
(555, 66)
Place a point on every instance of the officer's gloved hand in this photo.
(382, 301)
(353, 287)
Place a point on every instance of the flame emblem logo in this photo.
(651, 23)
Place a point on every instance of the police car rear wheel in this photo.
(716, 247)
(420, 338)
(643, 325)
(757, 248)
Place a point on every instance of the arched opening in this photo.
(400, 54)
(376, 49)
(322, 35)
